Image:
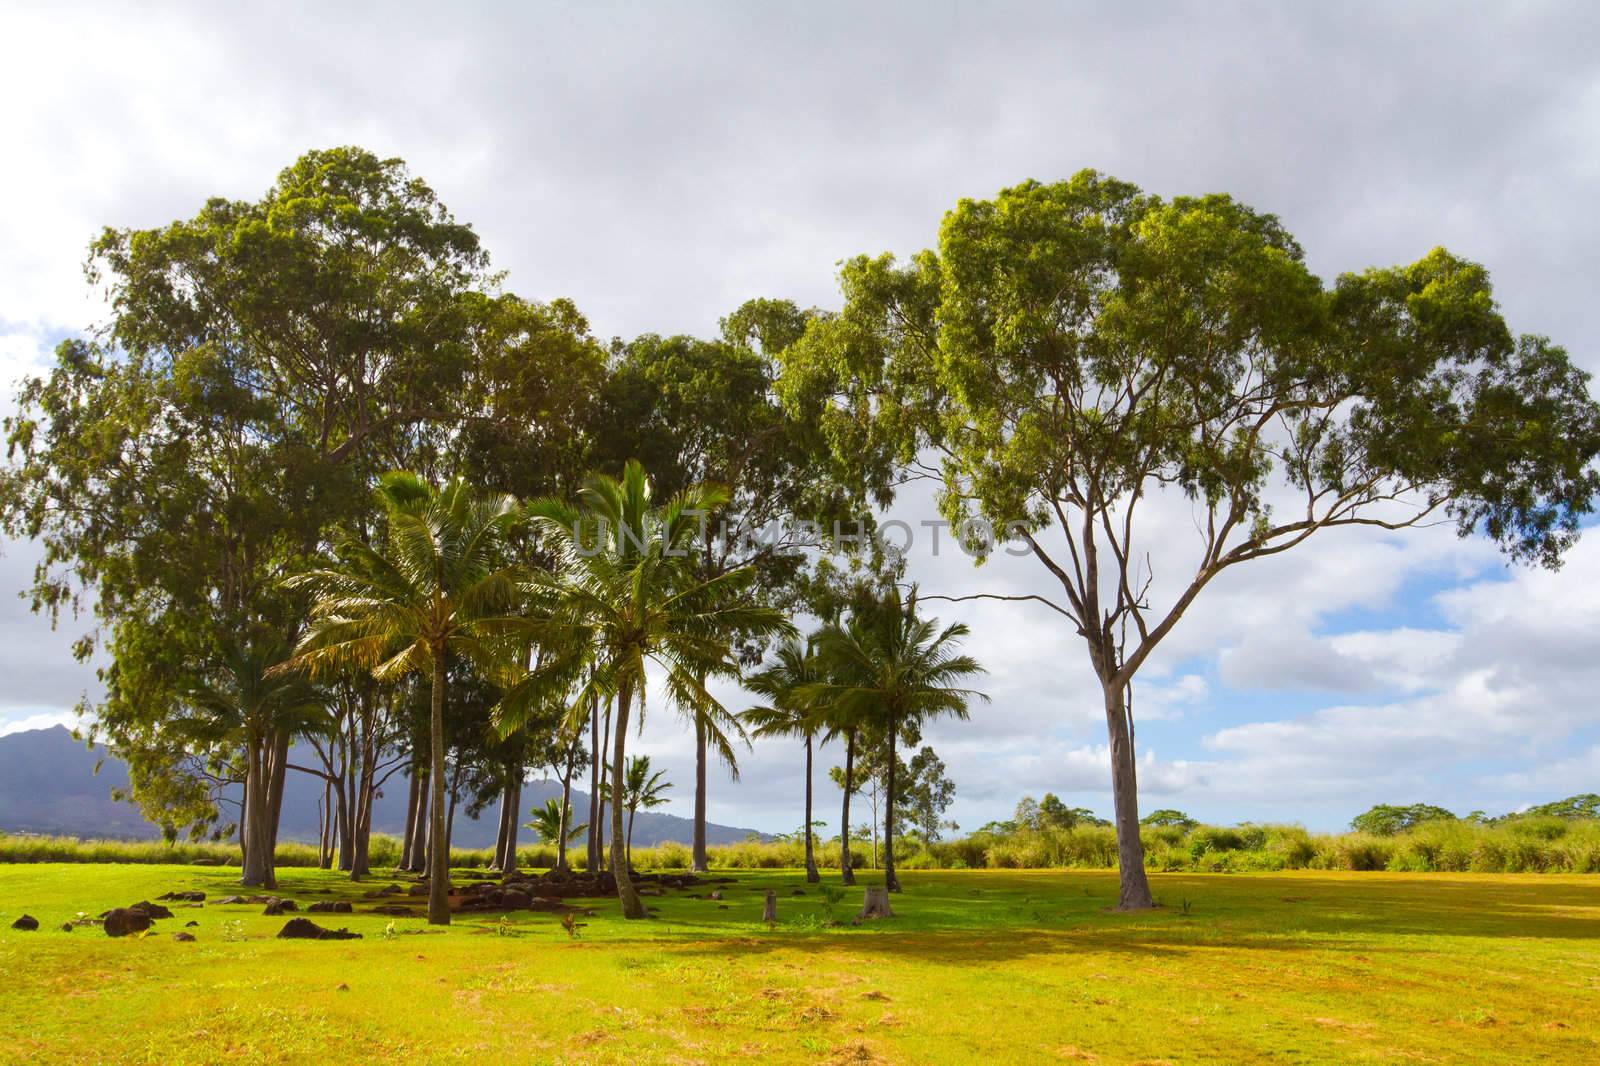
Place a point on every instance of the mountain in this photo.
(48, 784)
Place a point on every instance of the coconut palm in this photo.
(640, 788)
(787, 713)
(890, 669)
(621, 595)
(244, 700)
(429, 592)
(548, 820)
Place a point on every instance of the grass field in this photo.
(979, 965)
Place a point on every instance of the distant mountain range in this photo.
(48, 785)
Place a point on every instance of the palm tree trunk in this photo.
(593, 833)
(408, 842)
(846, 874)
(439, 859)
(699, 863)
(564, 825)
(632, 905)
(812, 877)
(1134, 887)
(631, 812)
(613, 834)
(890, 881)
(513, 824)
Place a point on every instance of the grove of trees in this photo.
(319, 478)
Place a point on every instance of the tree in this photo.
(549, 820)
(1584, 805)
(426, 596)
(1072, 350)
(640, 788)
(786, 713)
(242, 701)
(889, 667)
(1385, 821)
(623, 594)
(925, 793)
(704, 411)
(1169, 817)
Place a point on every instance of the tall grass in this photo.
(1526, 845)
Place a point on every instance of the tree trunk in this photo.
(417, 861)
(592, 834)
(361, 830)
(846, 874)
(498, 863)
(513, 823)
(631, 813)
(325, 827)
(612, 835)
(890, 881)
(699, 863)
(632, 905)
(254, 830)
(1134, 889)
(276, 775)
(409, 841)
(564, 826)
(439, 859)
(769, 908)
(812, 877)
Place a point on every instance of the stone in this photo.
(183, 897)
(281, 906)
(329, 906)
(306, 929)
(27, 923)
(191, 925)
(233, 899)
(124, 921)
(514, 900)
(187, 938)
(150, 910)
(395, 910)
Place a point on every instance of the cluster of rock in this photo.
(306, 929)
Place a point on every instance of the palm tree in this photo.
(787, 713)
(889, 668)
(548, 820)
(433, 590)
(621, 595)
(640, 788)
(246, 701)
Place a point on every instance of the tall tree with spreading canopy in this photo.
(625, 592)
(427, 595)
(1073, 349)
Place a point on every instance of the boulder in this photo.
(280, 906)
(329, 906)
(515, 900)
(306, 929)
(124, 921)
(187, 938)
(395, 910)
(151, 910)
(183, 897)
(191, 925)
(27, 923)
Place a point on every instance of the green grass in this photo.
(999, 965)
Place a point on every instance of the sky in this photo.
(661, 164)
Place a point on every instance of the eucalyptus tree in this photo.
(623, 593)
(784, 682)
(888, 667)
(1073, 350)
(262, 361)
(641, 787)
(430, 592)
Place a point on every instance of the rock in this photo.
(281, 906)
(123, 921)
(797, 892)
(417, 890)
(191, 925)
(715, 895)
(232, 899)
(206, 862)
(329, 906)
(183, 897)
(187, 938)
(27, 923)
(306, 929)
(395, 910)
(514, 900)
(66, 927)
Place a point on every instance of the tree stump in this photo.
(875, 905)
(769, 911)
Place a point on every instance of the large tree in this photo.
(1073, 350)
(784, 682)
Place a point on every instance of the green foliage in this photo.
(1168, 817)
(1386, 820)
